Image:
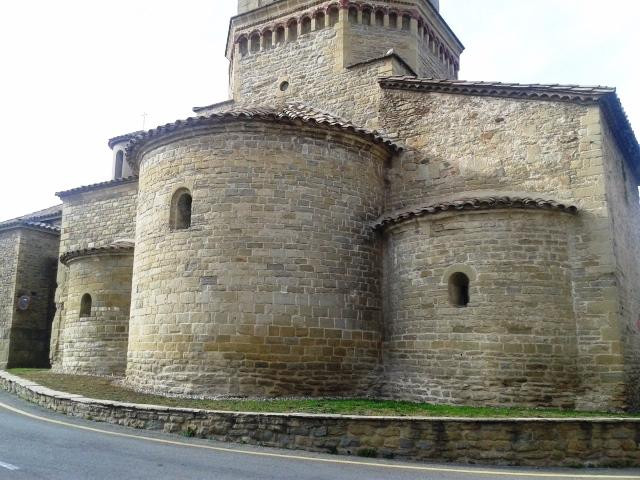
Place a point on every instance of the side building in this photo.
(29, 251)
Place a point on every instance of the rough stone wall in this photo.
(543, 442)
(274, 290)
(9, 247)
(97, 344)
(309, 67)
(515, 343)
(624, 208)
(90, 219)
(463, 146)
(35, 277)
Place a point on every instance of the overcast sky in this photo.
(77, 72)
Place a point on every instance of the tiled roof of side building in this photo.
(13, 224)
(98, 186)
(606, 97)
(123, 138)
(39, 219)
(479, 203)
(290, 112)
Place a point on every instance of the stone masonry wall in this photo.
(97, 344)
(515, 342)
(274, 290)
(308, 65)
(35, 277)
(90, 219)
(9, 247)
(593, 442)
(624, 207)
(464, 146)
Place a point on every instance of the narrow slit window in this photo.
(244, 46)
(406, 22)
(85, 306)
(319, 20)
(393, 20)
(255, 43)
(280, 35)
(119, 164)
(181, 204)
(459, 289)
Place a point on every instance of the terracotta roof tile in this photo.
(121, 249)
(479, 203)
(13, 224)
(291, 112)
(97, 186)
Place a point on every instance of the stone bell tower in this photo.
(305, 49)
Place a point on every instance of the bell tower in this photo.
(314, 51)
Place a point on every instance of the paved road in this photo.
(38, 444)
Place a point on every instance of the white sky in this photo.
(75, 72)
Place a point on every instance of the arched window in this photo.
(119, 164)
(459, 289)
(280, 35)
(393, 20)
(293, 30)
(85, 305)
(334, 16)
(180, 216)
(379, 18)
(306, 26)
(244, 46)
(366, 16)
(406, 22)
(255, 43)
(319, 20)
(267, 39)
(353, 15)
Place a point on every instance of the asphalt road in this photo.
(38, 444)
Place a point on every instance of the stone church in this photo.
(354, 221)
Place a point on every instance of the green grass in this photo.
(104, 388)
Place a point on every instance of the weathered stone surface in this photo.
(539, 442)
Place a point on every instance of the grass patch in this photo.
(103, 388)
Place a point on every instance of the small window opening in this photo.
(119, 164)
(459, 289)
(284, 86)
(366, 16)
(280, 35)
(293, 31)
(85, 305)
(319, 20)
(334, 16)
(393, 20)
(353, 15)
(379, 18)
(306, 25)
(267, 40)
(406, 22)
(255, 43)
(180, 217)
(244, 46)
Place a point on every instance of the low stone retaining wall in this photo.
(597, 442)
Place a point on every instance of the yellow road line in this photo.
(464, 471)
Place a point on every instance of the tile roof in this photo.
(45, 227)
(479, 203)
(290, 112)
(606, 97)
(98, 186)
(574, 93)
(40, 220)
(118, 249)
(122, 138)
